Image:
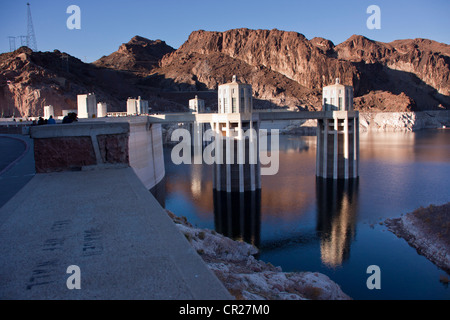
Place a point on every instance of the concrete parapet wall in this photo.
(100, 144)
(77, 146)
(14, 128)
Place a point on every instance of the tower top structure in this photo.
(235, 97)
(337, 97)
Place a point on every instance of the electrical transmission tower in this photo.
(31, 37)
(65, 62)
(12, 44)
(23, 40)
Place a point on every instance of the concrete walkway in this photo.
(111, 227)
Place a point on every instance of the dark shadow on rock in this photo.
(378, 77)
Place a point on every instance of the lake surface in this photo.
(305, 224)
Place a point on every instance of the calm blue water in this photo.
(303, 224)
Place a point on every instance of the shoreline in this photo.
(369, 122)
(247, 278)
(428, 231)
(383, 122)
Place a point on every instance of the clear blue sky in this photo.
(107, 24)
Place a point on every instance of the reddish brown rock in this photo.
(288, 53)
(406, 74)
(62, 154)
(139, 55)
(31, 80)
(428, 60)
(285, 69)
(197, 71)
(383, 101)
(114, 148)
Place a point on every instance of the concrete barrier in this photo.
(88, 145)
(10, 127)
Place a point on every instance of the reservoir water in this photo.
(304, 224)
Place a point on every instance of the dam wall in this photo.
(146, 152)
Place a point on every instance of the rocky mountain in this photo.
(285, 69)
(403, 75)
(31, 80)
(139, 55)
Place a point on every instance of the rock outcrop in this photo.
(139, 55)
(426, 59)
(249, 279)
(381, 122)
(427, 230)
(403, 121)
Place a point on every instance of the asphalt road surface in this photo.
(16, 165)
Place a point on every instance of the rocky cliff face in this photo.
(405, 75)
(417, 69)
(285, 69)
(427, 60)
(288, 53)
(197, 71)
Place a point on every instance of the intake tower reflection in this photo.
(237, 215)
(236, 171)
(337, 202)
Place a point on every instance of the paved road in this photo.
(16, 165)
(10, 150)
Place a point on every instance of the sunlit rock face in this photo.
(402, 75)
(139, 55)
